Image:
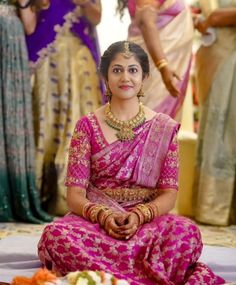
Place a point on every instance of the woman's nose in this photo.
(125, 76)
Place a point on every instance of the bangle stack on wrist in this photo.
(103, 216)
(161, 64)
(91, 211)
(146, 212)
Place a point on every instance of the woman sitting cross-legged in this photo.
(122, 182)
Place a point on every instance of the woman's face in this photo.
(125, 77)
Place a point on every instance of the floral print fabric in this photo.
(164, 251)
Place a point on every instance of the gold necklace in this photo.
(125, 128)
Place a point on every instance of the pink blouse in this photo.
(93, 160)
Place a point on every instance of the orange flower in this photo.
(20, 280)
(42, 276)
(39, 278)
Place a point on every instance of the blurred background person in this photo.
(216, 88)
(19, 199)
(63, 53)
(164, 29)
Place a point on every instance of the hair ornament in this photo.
(127, 52)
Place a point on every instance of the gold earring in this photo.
(108, 92)
(140, 93)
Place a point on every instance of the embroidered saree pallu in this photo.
(164, 251)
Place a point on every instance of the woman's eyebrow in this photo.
(119, 65)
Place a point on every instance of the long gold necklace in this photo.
(125, 128)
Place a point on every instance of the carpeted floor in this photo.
(18, 243)
(219, 236)
(211, 235)
(13, 229)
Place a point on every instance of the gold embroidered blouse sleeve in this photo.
(78, 172)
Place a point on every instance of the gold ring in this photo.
(109, 232)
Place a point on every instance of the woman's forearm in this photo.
(28, 17)
(222, 17)
(165, 201)
(151, 37)
(92, 11)
(76, 199)
(146, 20)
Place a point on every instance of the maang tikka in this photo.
(127, 52)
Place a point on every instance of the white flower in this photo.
(96, 277)
(82, 281)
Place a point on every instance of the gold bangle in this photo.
(160, 61)
(162, 65)
(145, 211)
(93, 213)
(104, 216)
(86, 208)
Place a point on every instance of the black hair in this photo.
(121, 5)
(119, 47)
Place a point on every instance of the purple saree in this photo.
(52, 21)
(110, 172)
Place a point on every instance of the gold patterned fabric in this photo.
(214, 196)
(66, 87)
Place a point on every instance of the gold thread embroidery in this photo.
(129, 194)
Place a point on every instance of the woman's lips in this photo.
(125, 87)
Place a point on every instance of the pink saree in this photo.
(108, 172)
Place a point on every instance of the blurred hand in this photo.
(200, 24)
(122, 225)
(113, 223)
(169, 78)
(202, 27)
(130, 226)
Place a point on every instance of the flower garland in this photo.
(41, 277)
(46, 277)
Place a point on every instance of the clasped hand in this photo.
(121, 225)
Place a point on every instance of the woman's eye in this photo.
(133, 70)
(116, 70)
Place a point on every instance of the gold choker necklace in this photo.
(125, 128)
